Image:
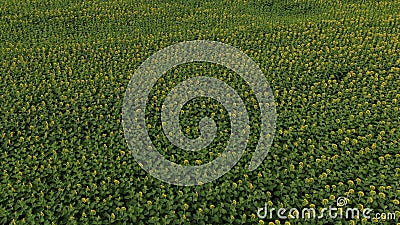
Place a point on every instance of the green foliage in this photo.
(64, 65)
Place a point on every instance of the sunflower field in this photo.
(333, 67)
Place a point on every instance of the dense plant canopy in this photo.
(334, 68)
